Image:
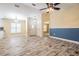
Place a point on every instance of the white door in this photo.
(32, 27)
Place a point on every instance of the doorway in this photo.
(45, 23)
(32, 27)
(45, 29)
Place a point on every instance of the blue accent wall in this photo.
(67, 33)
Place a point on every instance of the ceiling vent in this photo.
(33, 4)
(17, 6)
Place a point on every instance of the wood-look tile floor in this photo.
(37, 46)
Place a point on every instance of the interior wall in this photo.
(69, 16)
(65, 22)
(45, 16)
(6, 25)
(1, 23)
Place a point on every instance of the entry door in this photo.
(32, 27)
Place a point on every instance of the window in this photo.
(15, 27)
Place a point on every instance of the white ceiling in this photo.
(43, 5)
(38, 5)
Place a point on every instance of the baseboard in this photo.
(64, 39)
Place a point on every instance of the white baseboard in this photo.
(64, 39)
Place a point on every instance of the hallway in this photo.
(36, 46)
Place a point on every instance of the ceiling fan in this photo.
(51, 5)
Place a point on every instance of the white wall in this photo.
(1, 23)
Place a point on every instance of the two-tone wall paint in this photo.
(65, 22)
(67, 33)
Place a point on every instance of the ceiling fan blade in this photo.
(55, 4)
(47, 5)
(43, 8)
(56, 8)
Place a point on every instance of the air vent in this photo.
(17, 6)
(33, 4)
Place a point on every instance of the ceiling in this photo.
(43, 5)
(38, 5)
